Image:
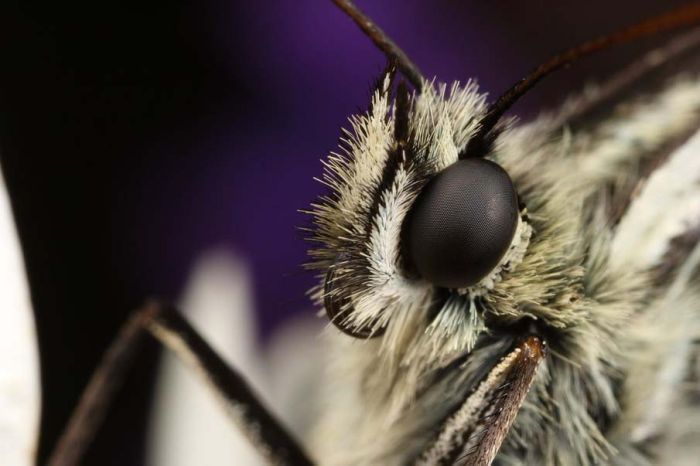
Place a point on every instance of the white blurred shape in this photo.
(295, 363)
(188, 427)
(19, 364)
(668, 204)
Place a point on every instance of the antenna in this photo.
(383, 42)
(480, 143)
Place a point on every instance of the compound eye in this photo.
(462, 223)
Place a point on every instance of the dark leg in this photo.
(173, 331)
(256, 422)
(98, 394)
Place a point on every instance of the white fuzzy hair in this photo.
(606, 386)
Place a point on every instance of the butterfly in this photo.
(500, 293)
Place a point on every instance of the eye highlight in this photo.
(462, 223)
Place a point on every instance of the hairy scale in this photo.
(580, 346)
(605, 319)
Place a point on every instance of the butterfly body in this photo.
(564, 278)
(506, 293)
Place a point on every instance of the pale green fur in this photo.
(612, 329)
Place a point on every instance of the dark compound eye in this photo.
(462, 223)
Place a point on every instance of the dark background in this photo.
(136, 134)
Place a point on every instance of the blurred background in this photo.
(135, 135)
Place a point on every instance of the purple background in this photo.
(238, 173)
(135, 135)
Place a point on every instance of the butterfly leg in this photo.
(167, 325)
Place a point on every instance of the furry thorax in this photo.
(620, 338)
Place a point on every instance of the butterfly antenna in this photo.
(480, 144)
(383, 42)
